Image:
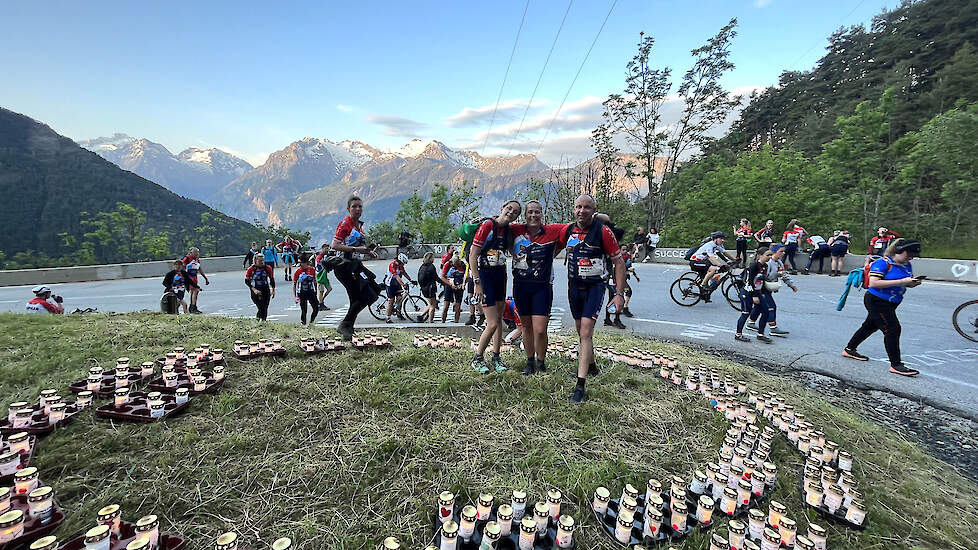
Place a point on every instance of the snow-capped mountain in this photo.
(194, 173)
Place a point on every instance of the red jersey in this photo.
(40, 305)
(877, 245)
(586, 262)
(260, 277)
(349, 232)
(533, 255)
(308, 271)
(493, 245)
(745, 232)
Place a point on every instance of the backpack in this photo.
(692, 250)
(307, 283)
(466, 231)
(866, 269)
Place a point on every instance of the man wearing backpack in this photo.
(590, 245)
(304, 289)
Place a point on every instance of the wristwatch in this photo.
(477, 280)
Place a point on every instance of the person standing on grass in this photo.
(428, 283)
(889, 279)
(177, 281)
(360, 283)
(590, 244)
(322, 277)
(533, 250)
(452, 276)
(192, 263)
(249, 256)
(751, 287)
(304, 289)
(775, 273)
(743, 233)
(488, 255)
(260, 279)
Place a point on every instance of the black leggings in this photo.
(742, 249)
(307, 299)
(789, 250)
(819, 254)
(881, 315)
(748, 308)
(261, 299)
(359, 290)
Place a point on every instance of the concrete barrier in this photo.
(933, 268)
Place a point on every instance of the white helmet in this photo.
(40, 289)
(402, 257)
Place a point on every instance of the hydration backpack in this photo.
(307, 283)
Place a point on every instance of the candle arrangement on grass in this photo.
(28, 510)
(103, 383)
(16, 453)
(203, 356)
(496, 523)
(150, 406)
(42, 417)
(255, 349)
(437, 341)
(371, 341)
(110, 532)
(191, 377)
(313, 346)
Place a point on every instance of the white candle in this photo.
(449, 535)
(40, 503)
(528, 533)
(600, 502)
(11, 525)
(623, 529)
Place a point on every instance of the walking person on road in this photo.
(260, 279)
(360, 283)
(322, 277)
(751, 301)
(452, 277)
(395, 285)
(590, 243)
(839, 246)
(249, 256)
(744, 234)
(304, 289)
(289, 247)
(192, 263)
(774, 275)
(488, 255)
(176, 282)
(270, 254)
(889, 279)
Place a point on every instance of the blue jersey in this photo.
(887, 270)
(270, 254)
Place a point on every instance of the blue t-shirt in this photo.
(886, 269)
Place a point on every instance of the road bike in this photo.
(687, 290)
(408, 306)
(415, 250)
(965, 319)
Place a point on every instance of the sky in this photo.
(251, 77)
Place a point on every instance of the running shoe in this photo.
(479, 364)
(530, 367)
(592, 370)
(764, 339)
(751, 325)
(497, 363)
(805, 271)
(389, 320)
(779, 332)
(853, 354)
(627, 313)
(741, 338)
(619, 324)
(903, 370)
(578, 396)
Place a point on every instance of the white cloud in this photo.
(761, 3)
(506, 111)
(344, 108)
(397, 125)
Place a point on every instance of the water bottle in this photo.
(612, 309)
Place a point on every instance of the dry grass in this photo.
(340, 451)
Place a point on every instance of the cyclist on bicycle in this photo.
(403, 241)
(395, 285)
(709, 259)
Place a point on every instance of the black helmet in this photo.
(907, 245)
(718, 235)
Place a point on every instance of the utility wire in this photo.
(579, 69)
(505, 76)
(813, 46)
(539, 78)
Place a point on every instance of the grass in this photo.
(340, 451)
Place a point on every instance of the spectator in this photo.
(250, 256)
(428, 282)
(651, 243)
(791, 237)
(360, 283)
(743, 233)
(322, 276)
(41, 303)
(452, 277)
(176, 282)
(270, 255)
(820, 251)
(839, 245)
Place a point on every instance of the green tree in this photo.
(121, 235)
(437, 216)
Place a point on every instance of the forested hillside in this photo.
(882, 131)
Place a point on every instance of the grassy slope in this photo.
(340, 451)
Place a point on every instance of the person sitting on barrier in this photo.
(41, 303)
(651, 243)
(176, 282)
(249, 255)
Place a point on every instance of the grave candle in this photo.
(655, 501)
(679, 515)
(253, 347)
(26, 480)
(804, 543)
(704, 510)
(446, 506)
(148, 528)
(628, 503)
(817, 534)
(629, 491)
(677, 494)
(856, 513)
(97, 538)
(528, 533)
(725, 459)
(623, 528)
(218, 354)
(652, 487)
(93, 382)
(736, 533)
(111, 516)
(717, 542)
(483, 507)
(51, 401)
(138, 544)
(719, 485)
(743, 492)
(771, 540)
(518, 502)
(238, 344)
(13, 408)
(467, 524)
(851, 496)
(121, 397)
(11, 525)
(199, 383)
(171, 359)
(277, 344)
(787, 528)
(770, 474)
(735, 476)
(775, 512)
(490, 536)
(565, 531)
(4, 499)
(847, 482)
(45, 543)
(19, 443)
(170, 379)
(804, 442)
(553, 503)
(44, 396)
(541, 514)
(40, 504)
(600, 503)
(157, 409)
(698, 483)
(845, 461)
(22, 418)
(193, 372)
(653, 522)
(390, 543)
(677, 483)
(728, 501)
(504, 517)
(227, 541)
(180, 353)
(829, 476)
(755, 523)
(449, 535)
(749, 467)
(813, 494)
(182, 395)
(831, 450)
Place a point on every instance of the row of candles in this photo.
(310, 344)
(260, 346)
(372, 339)
(40, 504)
(437, 341)
(50, 406)
(202, 354)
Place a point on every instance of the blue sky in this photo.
(251, 77)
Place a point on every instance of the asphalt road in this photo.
(948, 363)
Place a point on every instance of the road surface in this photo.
(948, 363)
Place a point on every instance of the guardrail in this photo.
(934, 268)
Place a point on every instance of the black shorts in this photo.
(533, 297)
(700, 266)
(430, 292)
(452, 295)
(393, 289)
(493, 282)
(839, 250)
(585, 299)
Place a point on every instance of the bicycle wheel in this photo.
(731, 293)
(413, 306)
(379, 308)
(383, 253)
(685, 291)
(965, 319)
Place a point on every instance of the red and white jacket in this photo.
(40, 305)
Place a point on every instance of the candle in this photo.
(755, 523)
(771, 540)
(490, 536)
(553, 502)
(735, 476)
(253, 347)
(121, 397)
(856, 513)
(565, 531)
(775, 511)
(652, 487)
(829, 476)
(449, 535)
(227, 541)
(804, 442)
(817, 535)
(51, 401)
(851, 496)
(770, 474)
(655, 502)
(787, 528)
(541, 513)
(26, 480)
(170, 379)
(736, 533)
(698, 483)
(277, 344)
(45, 543)
(653, 522)
(629, 491)
(813, 494)
(40, 504)
(804, 543)
(84, 399)
(528, 533)
(628, 503)
(200, 383)
(679, 514)
(743, 492)
(725, 459)
(504, 517)
(446, 506)
(193, 372)
(831, 450)
(518, 502)
(600, 503)
(44, 396)
(750, 545)
(845, 461)
(677, 494)
(218, 355)
(97, 538)
(623, 529)
(13, 408)
(238, 344)
(728, 501)
(157, 409)
(23, 418)
(148, 528)
(179, 352)
(704, 510)
(19, 443)
(182, 395)
(110, 516)
(717, 542)
(719, 485)
(57, 413)
(483, 507)
(11, 525)
(171, 359)
(467, 523)
(677, 483)
(218, 373)
(4, 499)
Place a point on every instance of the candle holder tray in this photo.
(33, 528)
(137, 410)
(127, 533)
(207, 361)
(361, 345)
(107, 387)
(39, 424)
(259, 354)
(25, 460)
(184, 381)
(508, 542)
(323, 345)
(839, 517)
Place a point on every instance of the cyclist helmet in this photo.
(907, 245)
(718, 235)
(402, 258)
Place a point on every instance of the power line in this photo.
(812, 47)
(505, 76)
(579, 69)
(539, 78)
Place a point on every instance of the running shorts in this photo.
(453, 295)
(493, 282)
(839, 250)
(585, 299)
(393, 288)
(533, 297)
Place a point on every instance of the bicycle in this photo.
(407, 305)
(965, 320)
(415, 250)
(687, 290)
